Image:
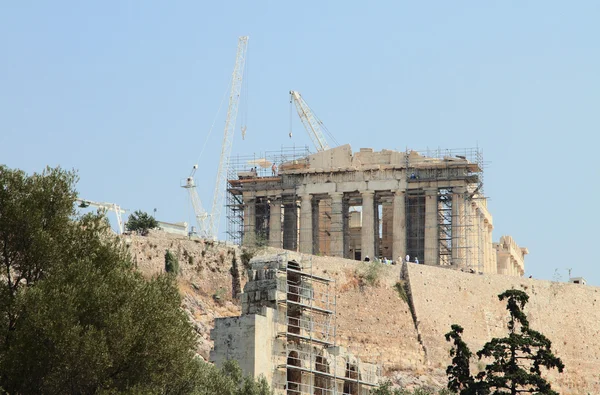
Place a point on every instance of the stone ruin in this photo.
(287, 332)
(428, 206)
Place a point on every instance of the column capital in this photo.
(367, 193)
(399, 193)
(306, 196)
(431, 191)
(459, 190)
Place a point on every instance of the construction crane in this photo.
(232, 110)
(201, 214)
(312, 124)
(209, 223)
(84, 203)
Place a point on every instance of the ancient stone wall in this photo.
(374, 323)
(247, 339)
(568, 314)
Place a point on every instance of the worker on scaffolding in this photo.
(367, 259)
(274, 169)
(416, 260)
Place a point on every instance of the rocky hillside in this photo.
(396, 317)
(205, 281)
(212, 273)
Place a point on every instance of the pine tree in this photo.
(141, 222)
(517, 358)
(459, 375)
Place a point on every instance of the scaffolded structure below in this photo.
(310, 361)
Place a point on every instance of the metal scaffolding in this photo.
(444, 207)
(309, 361)
(460, 233)
(257, 169)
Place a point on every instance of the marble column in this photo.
(458, 227)
(316, 237)
(483, 242)
(275, 223)
(399, 226)
(306, 227)
(290, 226)
(431, 228)
(491, 250)
(249, 221)
(337, 224)
(367, 232)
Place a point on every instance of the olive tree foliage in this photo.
(75, 317)
(386, 388)
(141, 222)
(228, 380)
(516, 360)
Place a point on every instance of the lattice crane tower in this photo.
(232, 110)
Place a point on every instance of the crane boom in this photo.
(83, 203)
(232, 110)
(311, 123)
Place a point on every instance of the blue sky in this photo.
(126, 92)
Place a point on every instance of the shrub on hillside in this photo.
(369, 273)
(386, 389)
(171, 263)
(400, 287)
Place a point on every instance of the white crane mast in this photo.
(311, 123)
(232, 110)
(201, 214)
(83, 203)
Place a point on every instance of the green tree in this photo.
(75, 317)
(141, 222)
(386, 388)
(207, 379)
(517, 358)
(35, 211)
(459, 375)
(171, 263)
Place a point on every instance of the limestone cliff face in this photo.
(205, 280)
(568, 314)
(405, 336)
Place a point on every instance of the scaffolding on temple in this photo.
(289, 200)
(459, 229)
(261, 170)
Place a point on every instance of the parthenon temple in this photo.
(387, 205)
